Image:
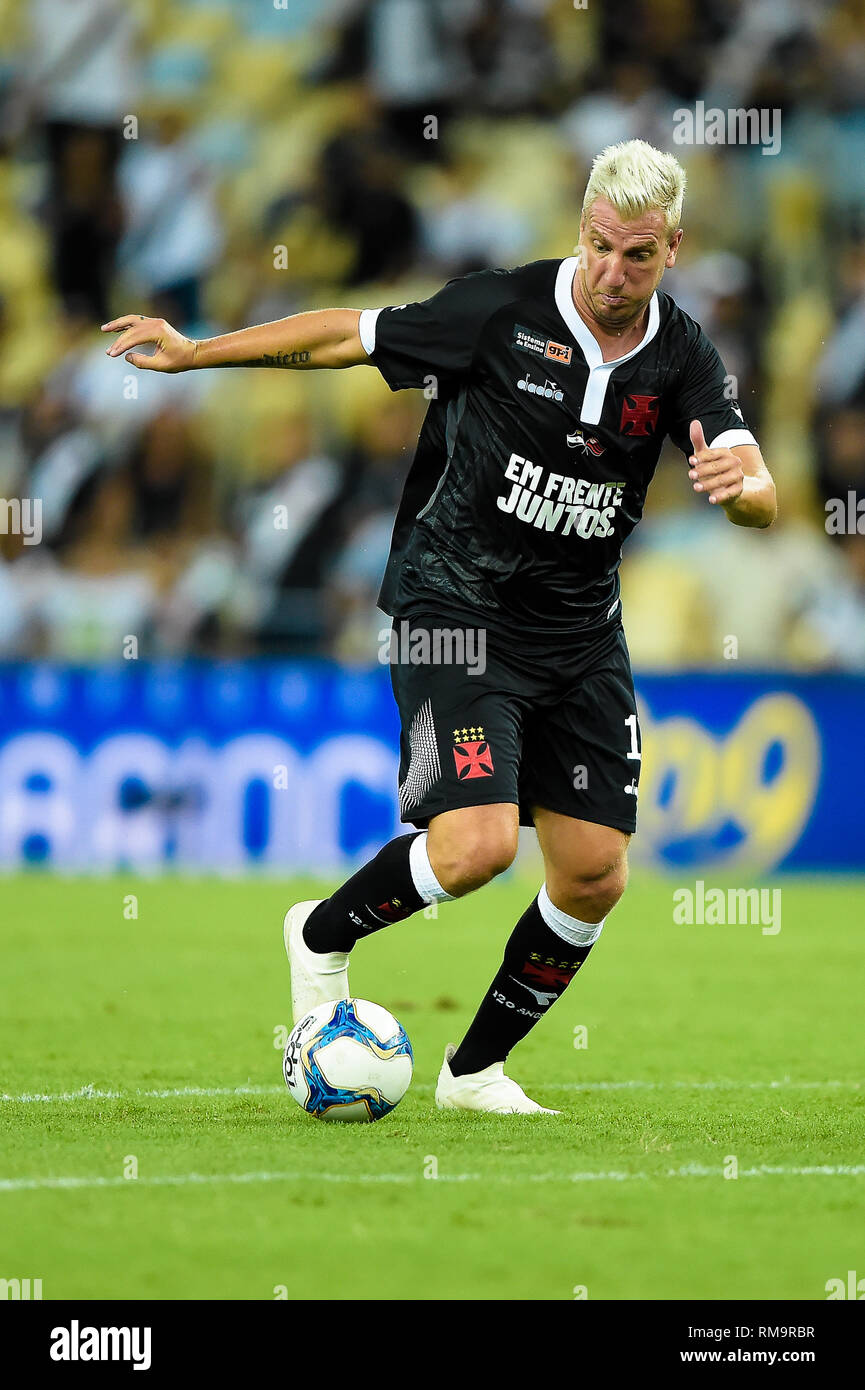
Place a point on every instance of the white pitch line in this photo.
(785, 1083)
(691, 1170)
(94, 1093)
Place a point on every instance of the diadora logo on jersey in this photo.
(639, 414)
(550, 389)
(527, 341)
(736, 411)
(472, 753)
(577, 440)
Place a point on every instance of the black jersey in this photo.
(535, 455)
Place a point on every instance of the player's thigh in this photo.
(584, 862)
(461, 737)
(469, 845)
(582, 755)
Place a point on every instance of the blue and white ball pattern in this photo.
(348, 1060)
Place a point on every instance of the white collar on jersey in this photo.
(599, 370)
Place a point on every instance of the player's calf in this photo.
(462, 850)
(587, 870)
(396, 883)
(543, 954)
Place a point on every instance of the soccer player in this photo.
(553, 386)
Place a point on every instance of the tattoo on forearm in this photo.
(281, 359)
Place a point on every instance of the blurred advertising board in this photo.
(282, 767)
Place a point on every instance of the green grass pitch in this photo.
(705, 1045)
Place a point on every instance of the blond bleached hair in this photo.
(635, 177)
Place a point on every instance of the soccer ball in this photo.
(349, 1060)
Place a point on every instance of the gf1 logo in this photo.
(558, 352)
(855, 1289)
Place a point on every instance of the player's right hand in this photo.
(174, 353)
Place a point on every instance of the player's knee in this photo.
(463, 864)
(591, 889)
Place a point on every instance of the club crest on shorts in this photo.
(472, 753)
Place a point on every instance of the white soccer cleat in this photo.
(315, 979)
(488, 1090)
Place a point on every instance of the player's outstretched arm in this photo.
(736, 479)
(323, 338)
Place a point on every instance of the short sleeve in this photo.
(704, 394)
(435, 338)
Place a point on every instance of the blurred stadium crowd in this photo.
(234, 161)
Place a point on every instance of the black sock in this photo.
(536, 970)
(380, 893)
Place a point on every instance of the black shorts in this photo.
(537, 727)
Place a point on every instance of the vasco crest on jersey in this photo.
(639, 414)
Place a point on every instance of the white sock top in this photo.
(422, 874)
(570, 929)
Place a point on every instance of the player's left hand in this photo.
(717, 472)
